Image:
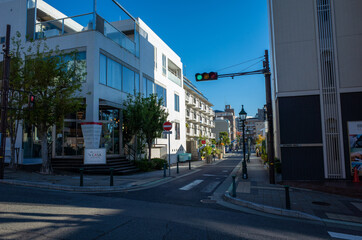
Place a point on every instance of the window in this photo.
(137, 83)
(163, 64)
(114, 74)
(177, 103)
(128, 81)
(161, 93)
(177, 131)
(155, 56)
(148, 87)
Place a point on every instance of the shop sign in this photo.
(355, 145)
(95, 156)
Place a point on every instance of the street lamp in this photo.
(242, 117)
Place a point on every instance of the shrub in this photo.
(144, 165)
(277, 165)
(158, 163)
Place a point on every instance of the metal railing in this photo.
(130, 152)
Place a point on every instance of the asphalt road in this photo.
(185, 208)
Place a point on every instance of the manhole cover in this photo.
(321, 203)
(208, 201)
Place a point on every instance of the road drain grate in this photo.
(321, 203)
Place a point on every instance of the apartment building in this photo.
(121, 58)
(199, 117)
(316, 72)
(229, 114)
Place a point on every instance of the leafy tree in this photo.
(144, 116)
(55, 79)
(224, 138)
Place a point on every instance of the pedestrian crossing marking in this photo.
(210, 187)
(358, 205)
(344, 217)
(191, 185)
(344, 236)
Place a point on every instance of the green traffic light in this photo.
(199, 77)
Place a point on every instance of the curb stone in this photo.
(268, 209)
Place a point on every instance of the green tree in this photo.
(55, 79)
(224, 138)
(144, 116)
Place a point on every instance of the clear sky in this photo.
(208, 35)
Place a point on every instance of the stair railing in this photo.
(130, 152)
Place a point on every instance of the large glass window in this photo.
(103, 69)
(150, 87)
(177, 103)
(128, 81)
(114, 74)
(109, 117)
(137, 83)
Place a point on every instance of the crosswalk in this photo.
(206, 189)
(344, 236)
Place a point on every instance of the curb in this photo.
(268, 209)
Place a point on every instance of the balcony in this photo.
(50, 22)
(171, 76)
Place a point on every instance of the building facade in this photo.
(316, 58)
(121, 58)
(228, 114)
(199, 117)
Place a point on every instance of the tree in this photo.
(224, 138)
(145, 116)
(55, 79)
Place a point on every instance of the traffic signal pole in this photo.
(4, 100)
(270, 136)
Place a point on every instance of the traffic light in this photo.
(31, 101)
(206, 76)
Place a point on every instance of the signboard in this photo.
(91, 134)
(167, 126)
(95, 156)
(167, 132)
(355, 145)
(203, 141)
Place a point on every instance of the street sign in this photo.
(167, 132)
(203, 141)
(167, 126)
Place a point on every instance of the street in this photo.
(185, 208)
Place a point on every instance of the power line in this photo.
(240, 63)
(251, 65)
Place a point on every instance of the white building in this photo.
(123, 57)
(199, 117)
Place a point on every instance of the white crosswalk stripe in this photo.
(344, 236)
(210, 187)
(191, 185)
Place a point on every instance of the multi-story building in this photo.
(316, 72)
(199, 117)
(121, 58)
(221, 125)
(228, 114)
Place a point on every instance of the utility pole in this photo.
(266, 71)
(4, 101)
(270, 136)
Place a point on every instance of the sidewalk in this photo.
(256, 193)
(99, 183)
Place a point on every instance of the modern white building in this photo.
(316, 72)
(121, 58)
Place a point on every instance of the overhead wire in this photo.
(239, 63)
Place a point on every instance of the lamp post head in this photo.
(242, 113)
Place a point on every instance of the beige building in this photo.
(199, 117)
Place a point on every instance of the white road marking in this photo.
(210, 187)
(344, 236)
(191, 185)
(209, 175)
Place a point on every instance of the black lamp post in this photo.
(242, 117)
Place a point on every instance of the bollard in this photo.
(164, 170)
(178, 171)
(81, 177)
(111, 178)
(287, 198)
(189, 164)
(234, 187)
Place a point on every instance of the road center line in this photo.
(191, 185)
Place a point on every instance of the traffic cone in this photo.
(355, 175)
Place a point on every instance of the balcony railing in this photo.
(174, 78)
(83, 23)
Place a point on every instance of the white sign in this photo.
(91, 134)
(95, 156)
(167, 132)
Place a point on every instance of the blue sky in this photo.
(208, 36)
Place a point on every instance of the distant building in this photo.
(228, 114)
(316, 58)
(221, 125)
